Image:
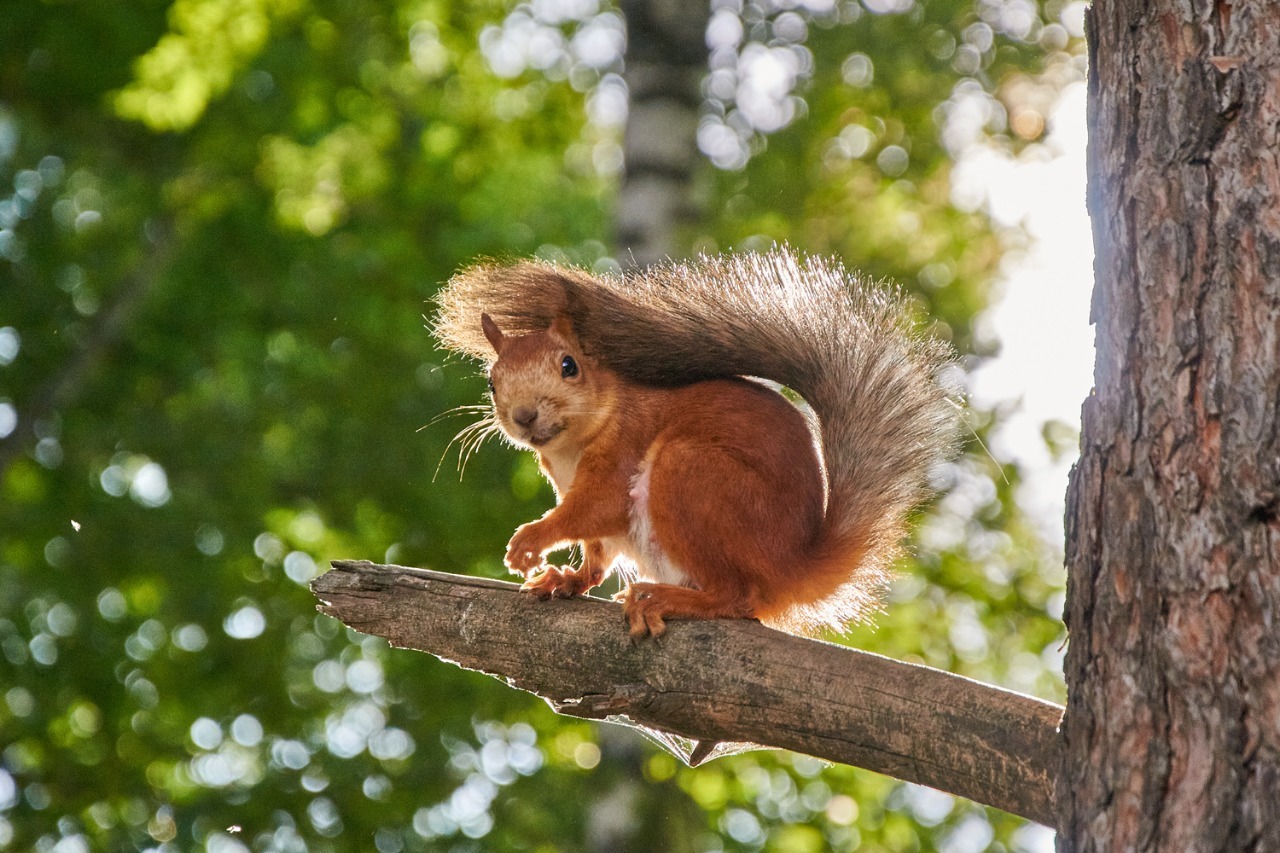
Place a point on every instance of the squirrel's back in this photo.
(877, 386)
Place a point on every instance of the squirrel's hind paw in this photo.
(648, 606)
(644, 613)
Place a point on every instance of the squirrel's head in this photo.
(545, 390)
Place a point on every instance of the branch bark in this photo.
(719, 681)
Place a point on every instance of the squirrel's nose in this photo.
(524, 416)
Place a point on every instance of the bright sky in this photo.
(1042, 319)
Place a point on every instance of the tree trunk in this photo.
(666, 61)
(1173, 524)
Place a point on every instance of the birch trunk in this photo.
(666, 61)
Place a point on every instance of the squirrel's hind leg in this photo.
(723, 528)
(648, 606)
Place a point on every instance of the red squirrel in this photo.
(713, 493)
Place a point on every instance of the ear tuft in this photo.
(492, 332)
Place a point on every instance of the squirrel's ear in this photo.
(492, 332)
(563, 327)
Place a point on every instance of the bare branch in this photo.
(720, 680)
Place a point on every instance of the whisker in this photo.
(964, 421)
(465, 439)
(454, 412)
(477, 438)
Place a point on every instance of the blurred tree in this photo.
(218, 225)
(666, 61)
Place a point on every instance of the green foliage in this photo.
(226, 218)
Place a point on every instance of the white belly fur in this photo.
(652, 564)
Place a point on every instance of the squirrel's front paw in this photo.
(556, 583)
(525, 550)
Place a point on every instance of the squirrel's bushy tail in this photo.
(878, 387)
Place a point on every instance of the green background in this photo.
(221, 223)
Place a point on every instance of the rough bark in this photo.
(666, 61)
(719, 681)
(1172, 729)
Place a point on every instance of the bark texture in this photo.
(666, 61)
(719, 680)
(1173, 523)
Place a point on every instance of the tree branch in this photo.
(719, 680)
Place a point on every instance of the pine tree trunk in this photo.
(1172, 729)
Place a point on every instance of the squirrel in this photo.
(642, 397)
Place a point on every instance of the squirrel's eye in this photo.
(568, 367)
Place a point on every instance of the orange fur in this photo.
(723, 497)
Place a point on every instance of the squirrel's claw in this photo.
(644, 618)
(555, 582)
(524, 551)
